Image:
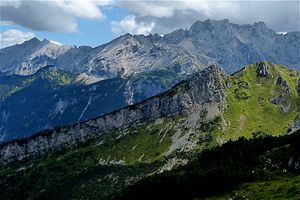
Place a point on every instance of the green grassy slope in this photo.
(10, 84)
(249, 103)
(261, 168)
(96, 169)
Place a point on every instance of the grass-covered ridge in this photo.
(10, 84)
(249, 103)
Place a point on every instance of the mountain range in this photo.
(127, 70)
(212, 41)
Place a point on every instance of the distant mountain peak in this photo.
(208, 24)
(214, 21)
(45, 41)
(260, 24)
(33, 40)
(221, 25)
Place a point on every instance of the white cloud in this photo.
(143, 16)
(129, 25)
(53, 15)
(12, 37)
(170, 15)
(150, 8)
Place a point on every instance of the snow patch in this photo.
(281, 33)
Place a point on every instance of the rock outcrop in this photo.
(285, 92)
(202, 90)
(262, 70)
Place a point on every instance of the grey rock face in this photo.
(233, 46)
(281, 98)
(203, 89)
(294, 73)
(131, 55)
(285, 94)
(32, 55)
(282, 82)
(262, 70)
(125, 56)
(296, 124)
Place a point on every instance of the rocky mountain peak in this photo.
(209, 25)
(45, 40)
(211, 72)
(214, 22)
(35, 43)
(213, 69)
(32, 41)
(260, 25)
(263, 30)
(154, 37)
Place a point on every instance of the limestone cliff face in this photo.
(203, 92)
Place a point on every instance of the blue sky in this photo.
(94, 22)
(90, 32)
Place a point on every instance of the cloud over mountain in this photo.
(168, 15)
(148, 16)
(12, 37)
(129, 24)
(54, 15)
